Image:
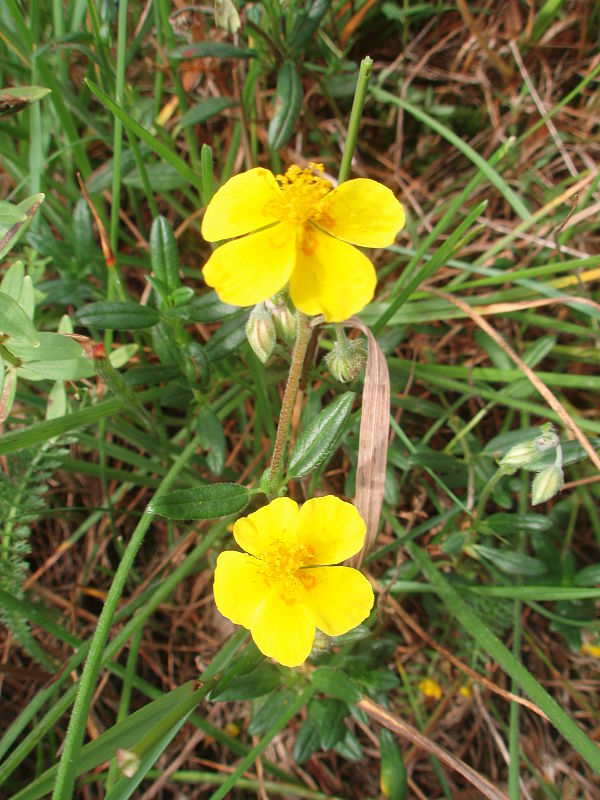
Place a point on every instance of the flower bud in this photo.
(260, 332)
(521, 455)
(285, 322)
(128, 761)
(347, 359)
(546, 484)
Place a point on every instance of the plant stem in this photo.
(67, 768)
(360, 94)
(287, 405)
(487, 490)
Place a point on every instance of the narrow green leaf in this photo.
(163, 254)
(203, 308)
(273, 707)
(15, 323)
(12, 280)
(306, 23)
(287, 105)
(15, 99)
(212, 438)
(230, 336)
(214, 49)
(318, 441)
(10, 235)
(118, 315)
(262, 680)
(505, 523)
(511, 562)
(393, 778)
(205, 109)
(203, 502)
(307, 741)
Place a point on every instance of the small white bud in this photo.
(347, 359)
(128, 761)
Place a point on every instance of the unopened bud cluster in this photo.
(265, 324)
(347, 359)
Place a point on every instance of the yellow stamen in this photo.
(301, 191)
(279, 566)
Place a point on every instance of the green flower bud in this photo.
(260, 332)
(347, 359)
(546, 484)
(285, 323)
(521, 455)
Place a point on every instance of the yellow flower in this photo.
(430, 688)
(590, 649)
(297, 228)
(286, 587)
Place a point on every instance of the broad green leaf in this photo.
(163, 254)
(27, 298)
(307, 19)
(287, 105)
(162, 177)
(334, 683)
(588, 576)
(393, 778)
(123, 735)
(121, 355)
(83, 233)
(349, 747)
(10, 234)
(57, 401)
(205, 109)
(318, 441)
(212, 438)
(19, 97)
(15, 323)
(51, 347)
(328, 716)
(203, 502)
(511, 562)
(69, 369)
(10, 214)
(197, 369)
(307, 741)
(244, 661)
(118, 315)
(262, 680)
(270, 711)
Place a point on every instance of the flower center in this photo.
(280, 564)
(301, 191)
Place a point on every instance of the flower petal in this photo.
(332, 528)
(283, 630)
(239, 588)
(363, 212)
(277, 522)
(240, 205)
(251, 269)
(330, 277)
(337, 598)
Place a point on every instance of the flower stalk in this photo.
(287, 406)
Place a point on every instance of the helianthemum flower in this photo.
(297, 228)
(283, 586)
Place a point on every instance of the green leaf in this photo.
(588, 576)
(262, 680)
(287, 105)
(205, 109)
(15, 323)
(12, 280)
(203, 308)
(318, 441)
(306, 23)
(118, 315)
(83, 233)
(504, 523)
(230, 336)
(15, 99)
(272, 708)
(307, 741)
(349, 748)
(511, 562)
(202, 502)
(328, 716)
(163, 254)
(436, 460)
(393, 779)
(10, 234)
(215, 49)
(123, 735)
(334, 683)
(212, 439)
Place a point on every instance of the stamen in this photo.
(301, 191)
(279, 567)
